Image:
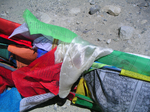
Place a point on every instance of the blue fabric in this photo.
(41, 52)
(110, 67)
(12, 60)
(10, 100)
(6, 66)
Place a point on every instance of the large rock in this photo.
(126, 32)
(112, 10)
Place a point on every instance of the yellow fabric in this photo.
(55, 43)
(82, 89)
(74, 100)
(134, 75)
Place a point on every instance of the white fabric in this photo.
(60, 52)
(24, 31)
(29, 102)
(78, 57)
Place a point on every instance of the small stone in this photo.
(3, 14)
(68, 103)
(98, 39)
(85, 31)
(55, 107)
(126, 50)
(126, 32)
(75, 10)
(64, 106)
(144, 30)
(128, 19)
(115, 40)
(92, 2)
(143, 5)
(137, 36)
(143, 21)
(10, 7)
(6, 12)
(104, 19)
(45, 17)
(129, 42)
(77, 22)
(94, 9)
(112, 10)
(108, 41)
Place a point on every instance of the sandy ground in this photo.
(100, 28)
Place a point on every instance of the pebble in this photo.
(55, 107)
(98, 39)
(126, 32)
(94, 9)
(144, 30)
(92, 2)
(137, 36)
(129, 42)
(126, 49)
(64, 106)
(143, 5)
(68, 103)
(75, 10)
(6, 12)
(3, 14)
(77, 22)
(143, 21)
(104, 19)
(45, 17)
(108, 41)
(85, 31)
(112, 10)
(116, 40)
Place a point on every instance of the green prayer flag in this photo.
(37, 27)
(4, 53)
(127, 61)
(86, 102)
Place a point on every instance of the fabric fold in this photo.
(40, 77)
(29, 102)
(115, 93)
(37, 27)
(79, 57)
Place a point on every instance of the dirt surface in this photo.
(101, 28)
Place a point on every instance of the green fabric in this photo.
(86, 102)
(37, 27)
(98, 65)
(4, 53)
(128, 62)
(95, 66)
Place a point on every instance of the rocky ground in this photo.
(122, 25)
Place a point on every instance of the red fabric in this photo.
(41, 76)
(71, 96)
(17, 40)
(5, 78)
(6, 29)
